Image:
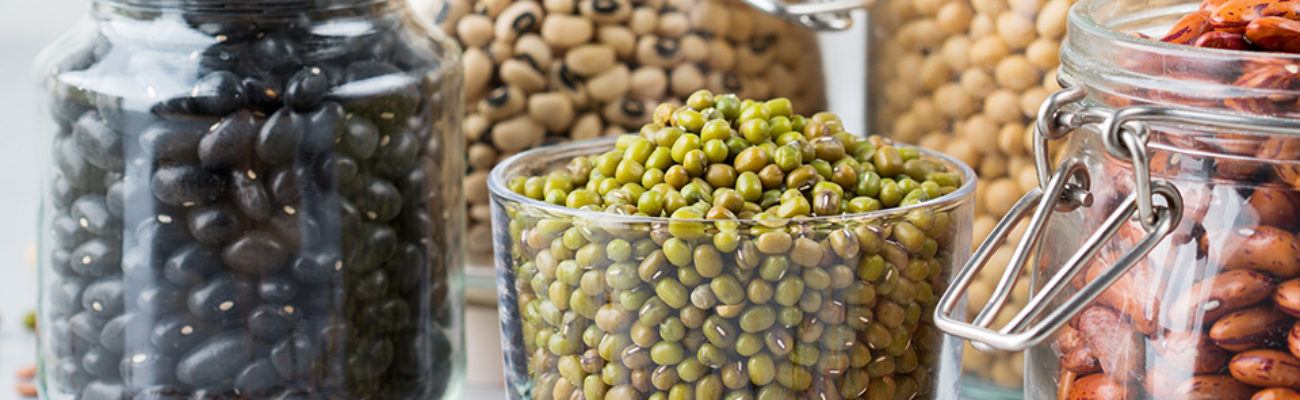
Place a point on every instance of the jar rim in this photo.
(541, 157)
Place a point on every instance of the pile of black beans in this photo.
(285, 225)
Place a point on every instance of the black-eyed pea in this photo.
(587, 126)
(1044, 53)
(648, 83)
(988, 51)
(694, 48)
(684, 79)
(480, 213)
(993, 7)
(519, 18)
(643, 20)
(782, 81)
(934, 71)
(1016, 73)
(474, 30)
(673, 24)
(517, 133)
(559, 6)
(618, 37)
(491, 8)
(908, 67)
(932, 140)
(790, 49)
(925, 33)
(554, 109)
(721, 55)
(954, 101)
(1015, 29)
(474, 126)
(659, 52)
(652, 4)
(627, 112)
(982, 25)
(500, 51)
(478, 71)
(591, 59)
(481, 156)
(502, 102)
(982, 132)
(1003, 106)
(975, 80)
(757, 88)
(478, 239)
(1031, 99)
(900, 92)
(907, 128)
(721, 82)
(609, 85)
(754, 57)
(565, 31)
(605, 11)
(521, 74)
(1010, 139)
(740, 24)
(565, 81)
(476, 187)
(613, 130)
(709, 16)
(954, 18)
(531, 48)
(927, 7)
(449, 11)
(956, 52)
(926, 107)
(1051, 19)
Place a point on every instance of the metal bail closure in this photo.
(819, 15)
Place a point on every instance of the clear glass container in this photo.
(541, 72)
(251, 199)
(843, 313)
(1193, 299)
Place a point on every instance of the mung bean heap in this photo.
(251, 204)
(726, 259)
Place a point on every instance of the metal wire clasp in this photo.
(1063, 189)
(825, 15)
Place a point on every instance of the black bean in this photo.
(62, 193)
(103, 298)
(60, 262)
(371, 248)
(313, 270)
(380, 200)
(97, 257)
(64, 342)
(272, 54)
(97, 142)
(373, 286)
(323, 128)
(115, 198)
(221, 56)
(92, 213)
(101, 363)
(189, 265)
(415, 183)
(344, 173)
(284, 186)
(65, 296)
(87, 326)
(396, 153)
(295, 356)
(156, 392)
(215, 362)
(272, 321)
(79, 173)
(257, 252)
(250, 195)
(263, 94)
(277, 143)
(161, 238)
(228, 142)
(295, 230)
(277, 289)
(258, 378)
(416, 223)
(218, 93)
(187, 185)
(160, 298)
(68, 376)
(178, 333)
(101, 390)
(172, 141)
(370, 358)
(389, 316)
(307, 88)
(66, 232)
(409, 262)
(113, 337)
(360, 137)
(214, 223)
(223, 299)
(224, 30)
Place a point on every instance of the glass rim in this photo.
(497, 189)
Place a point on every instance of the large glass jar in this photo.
(842, 314)
(1177, 270)
(540, 72)
(251, 199)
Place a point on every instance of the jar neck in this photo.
(1104, 53)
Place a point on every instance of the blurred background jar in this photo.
(541, 72)
(252, 198)
(966, 77)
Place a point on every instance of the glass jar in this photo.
(1165, 238)
(251, 199)
(845, 311)
(541, 72)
